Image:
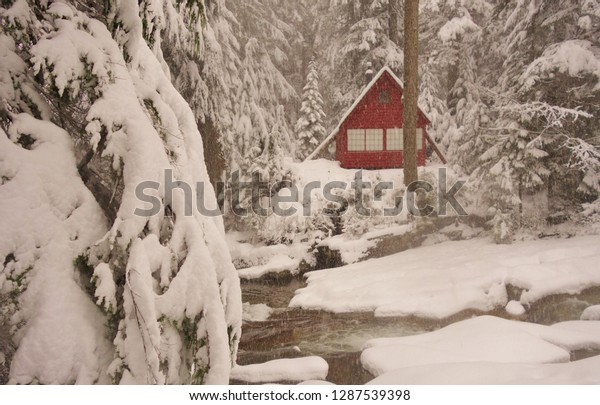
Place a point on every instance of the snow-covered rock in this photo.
(256, 312)
(591, 313)
(515, 308)
(288, 370)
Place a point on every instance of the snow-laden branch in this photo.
(554, 116)
(584, 156)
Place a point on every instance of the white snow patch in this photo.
(276, 264)
(441, 280)
(591, 313)
(351, 250)
(515, 308)
(316, 382)
(294, 370)
(578, 372)
(354, 249)
(255, 260)
(256, 312)
(482, 339)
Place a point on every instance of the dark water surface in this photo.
(338, 338)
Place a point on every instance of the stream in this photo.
(338, 338)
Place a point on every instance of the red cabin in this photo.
(369, 135)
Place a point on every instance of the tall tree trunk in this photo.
(411, 79)
(393, 22)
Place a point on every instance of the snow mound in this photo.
(482, 339)
(515, 308)
(591, 313)
(294, 370)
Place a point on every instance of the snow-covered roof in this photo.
(364, 92)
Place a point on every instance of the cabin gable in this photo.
(370, 134)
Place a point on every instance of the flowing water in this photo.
(290, 333)
(338, 338)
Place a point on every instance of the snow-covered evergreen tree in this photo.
(262, 42)
(87, 113)
(309, 128)
(349, 34)
(541, 113)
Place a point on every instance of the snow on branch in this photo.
(457, 28)
(554, 116)
(575, 58)
(584, 156)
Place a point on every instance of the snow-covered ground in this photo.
(487, 350)
(442, 280)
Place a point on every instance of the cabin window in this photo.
(420, 133)
(384, 97)
(356, 139)
(360, 140)
(374, 139)
(395, 139)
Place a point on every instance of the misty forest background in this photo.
(98, 96)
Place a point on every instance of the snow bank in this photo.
(441, 280)
(578, 372)
(482, 339)
(351, 250)
(294, 370)
(276, 264)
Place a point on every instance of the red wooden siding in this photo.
(370, 113)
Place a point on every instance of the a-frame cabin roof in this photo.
(362, 95)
